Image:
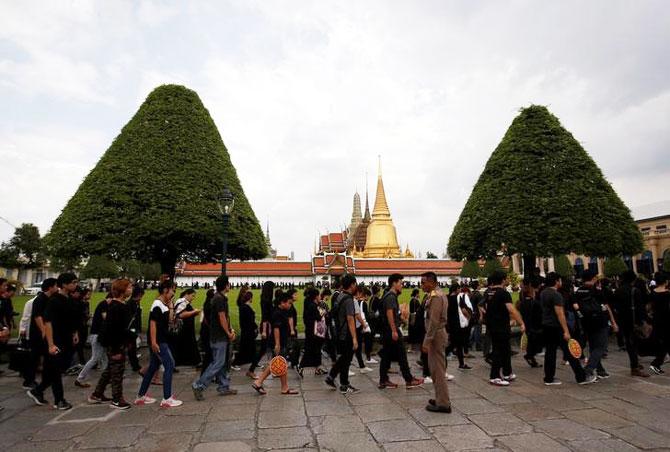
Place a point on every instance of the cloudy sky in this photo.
(306, 95)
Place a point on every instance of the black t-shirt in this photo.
(98, 315)
(59, 312)
(216, 331)
(550, 298)
(39, 306)
(497, 315)
(161, 315)
(6, 311)
(114, 330)
(280, 320)
(390, 301)
(346, 308)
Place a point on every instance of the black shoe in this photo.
(348, 389)
(330, 382)
(120, 405)
(602, 375)
(431, 401)
(63, 405)
(438, 409)
(464, 367)
(37, 397)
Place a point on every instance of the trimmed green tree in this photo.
(563, 267)
(491, 265)
(24, 250)
(153, 194)
(541, 194)
(614, 266)
(470, 269)
(99, 267)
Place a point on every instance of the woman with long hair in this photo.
(267, 293)
(454, 327)
(314, 319)
(248, 332)
(416, 325)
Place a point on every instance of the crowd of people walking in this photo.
(341, 322)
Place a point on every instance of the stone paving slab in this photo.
(619, 414)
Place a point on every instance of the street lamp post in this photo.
(225, 204)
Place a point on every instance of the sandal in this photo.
(290, 392)
(259, 389)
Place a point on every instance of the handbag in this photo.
(320, 328)
(19, 358)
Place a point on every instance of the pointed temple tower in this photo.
(382, 241)
(356, 218)
(361, 236)
(272, 253)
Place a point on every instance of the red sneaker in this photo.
(387, 385)
(415, 383)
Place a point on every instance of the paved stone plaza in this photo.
(619, 414)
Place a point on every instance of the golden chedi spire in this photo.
(382, 241)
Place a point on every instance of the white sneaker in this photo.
(371, 361)
(510, 377)
(499, 382)
(427, 380)
(351, 374)
(365, 370)
(144, 400)
(170, 403)
(236, 368)
(449, 376)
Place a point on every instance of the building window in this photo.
(645, 231)
(661, 229)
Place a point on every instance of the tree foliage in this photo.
(491, 265)
(541, 194)
(153, 194)
(614, 266)
(563, 267)
(470, 269)
(147, 271)
(99, 267)
(24, 250)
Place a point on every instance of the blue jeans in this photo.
(165, 358)
(217, 369)
(98, 356)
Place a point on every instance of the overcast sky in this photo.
(306, 95)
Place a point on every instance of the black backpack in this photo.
(589, 306)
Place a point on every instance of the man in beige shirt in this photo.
(435, 342)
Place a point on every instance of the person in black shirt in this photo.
(266, 316)
(293, 344)
(630, 313)
(60, 336)
(221, 336)
(114, 336)
(248, 333)
(531, 312)
(556, 333)
(81, 313)
(185, 346)
(160, 317)
(346, 336)
(393, 345)
(37, 335)
(660, 302)
(499, 308)
(315, 329)
(416, 328)
(279, 338)
(594, 312)
(98, 355)
(204, 331)
(135, 309)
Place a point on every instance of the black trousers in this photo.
(341, 366)
(662, 350)
(553, 339)
(52, 370)
(112, 374)
(132, 355)
(424, 364)
(312, 352)
(630, 341)
(457, 343)
(36, 353)
(501, 355)
(394, 351)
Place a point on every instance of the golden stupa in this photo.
(382, 241)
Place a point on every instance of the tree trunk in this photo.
(168, 261)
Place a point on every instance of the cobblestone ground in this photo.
(620, 414)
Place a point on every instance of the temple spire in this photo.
(381, 206)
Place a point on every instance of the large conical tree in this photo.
(153, 194)
(541, 194)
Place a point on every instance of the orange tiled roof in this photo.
(249, 268)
